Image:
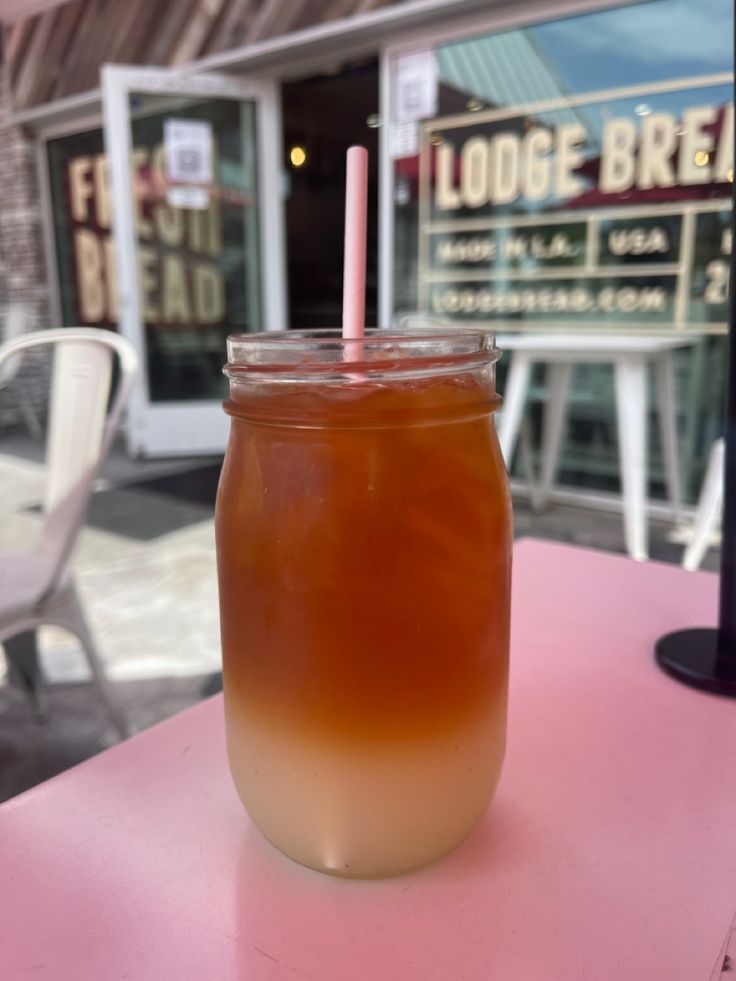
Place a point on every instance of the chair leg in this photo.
(668, 431)
(24, 666)
(631, 412)
(517, 384)
(709, 510)
(27, 411)
(75, 621)
(553, 428)
(526, 455)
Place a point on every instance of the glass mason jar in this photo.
(364, 556)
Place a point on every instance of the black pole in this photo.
(706, 658)
(727, 604)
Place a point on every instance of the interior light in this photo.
(643, 109)
(298, 156)
(436, 140)
(701, 158)
(373, 121)
(473, 105)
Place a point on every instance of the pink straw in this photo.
(356, 206)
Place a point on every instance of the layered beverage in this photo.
(364, 546)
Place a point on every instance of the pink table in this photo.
(609, 852)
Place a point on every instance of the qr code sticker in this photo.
(189, 160)
(188, 150)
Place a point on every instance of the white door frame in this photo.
(195, 427)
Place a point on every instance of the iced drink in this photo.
(364, 544)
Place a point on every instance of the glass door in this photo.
(196, 202)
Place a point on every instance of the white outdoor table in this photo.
(630, 357)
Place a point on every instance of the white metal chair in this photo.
(36, 587)
(708, 513)
(17, 324)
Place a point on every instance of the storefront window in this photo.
(576, 175)
(197, 252)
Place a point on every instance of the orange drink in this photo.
(364, 553)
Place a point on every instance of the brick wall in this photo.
(23, 277)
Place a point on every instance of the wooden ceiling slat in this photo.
(6, 94)
(364, 6)
(84, 43)
(235, 14)
(117, 20)
(169, 31)
(61, 38)
(87, 72)
(274, 18)
(259, 27)
(149, 20)
(17, 37)
(299, 16)
(192, 40)
(334, 10)
(32, 64)
(123, 29)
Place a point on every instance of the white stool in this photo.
(630, 357)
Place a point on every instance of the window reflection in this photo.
(577, 175)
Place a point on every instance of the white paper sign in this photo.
(415, 87)
(188, 150)
(404, 140)
(183, 196)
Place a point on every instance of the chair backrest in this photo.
(17, 323)
(79, 434)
